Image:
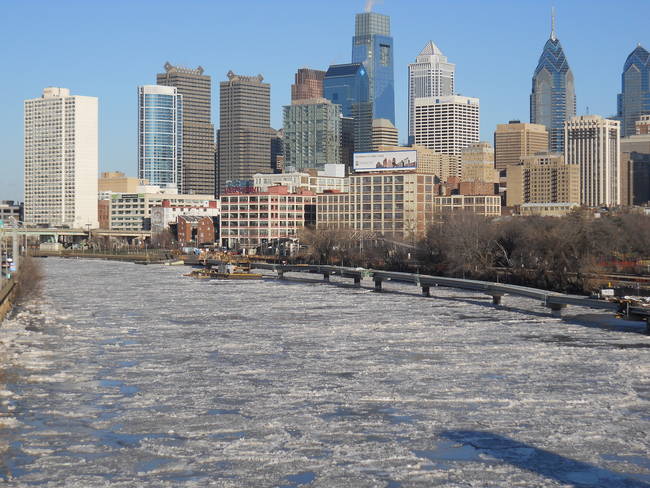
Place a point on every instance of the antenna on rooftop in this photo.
(553, 36)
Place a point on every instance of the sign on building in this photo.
(385, 161)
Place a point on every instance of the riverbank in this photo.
(22, 286)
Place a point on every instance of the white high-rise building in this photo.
(430, 76)
(593, 143)
(446, 124)
(61, 159)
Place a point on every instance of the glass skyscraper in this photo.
(160, 135)
(634, 99)
(312, 134)
(345, 85)
(553, 99)
(348, 85)
(372, 45)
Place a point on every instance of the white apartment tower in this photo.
(61, 159)
(446, 124)
(430, 76)
(593, 143)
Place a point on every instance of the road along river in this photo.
(136, 376)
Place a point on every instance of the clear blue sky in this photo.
(107, 48)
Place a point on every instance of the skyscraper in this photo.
(515, 140)
(430, 76)
(593, 143)
(245, 132)
(61, 159)
(198, 131)
(160, 135)
(634, 99)
(478, 163)
(348, 86)
(372, 45)
(553, 99)
(383, 134)
(446, 124)
(345, 85)
(308, 83)
(312, 134)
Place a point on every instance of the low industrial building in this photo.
(10, 209)
(197, 230)
(543, 178)
(118, 182)
(167, 213)
(331, 178)
(132, 211)
(547, 209)
(250, 220)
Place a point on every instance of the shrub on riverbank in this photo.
(29, 279)
(561, 254)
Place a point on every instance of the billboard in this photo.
(386, 161)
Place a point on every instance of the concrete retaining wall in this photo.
(6, 298)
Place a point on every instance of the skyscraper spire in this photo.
(552, 100)
(553, 36)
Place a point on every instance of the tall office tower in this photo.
(61, 159)
(245, 132)
(593, 143)
(430, 76)
(446, 124)
(543, 178)
(478, 163)
(308, 83)
(348, 86)
(514, 140)
(634, 99)
(160, 135)
(372, 45)
(383, 134)
(198, 131)
(635, 168)
(312, 134)
(553, 99)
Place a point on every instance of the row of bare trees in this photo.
(563, 254)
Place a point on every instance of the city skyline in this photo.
(597, 67)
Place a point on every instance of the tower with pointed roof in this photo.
(431, 75)
(634, 99)
(553, 99)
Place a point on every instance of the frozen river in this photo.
(136, 376)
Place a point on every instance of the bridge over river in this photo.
(554, 301)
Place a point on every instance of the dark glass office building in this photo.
(372, 45)
(345, 85)
(348, 86)
(634, 99)
(553, 99)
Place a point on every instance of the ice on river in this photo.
(134, 376)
